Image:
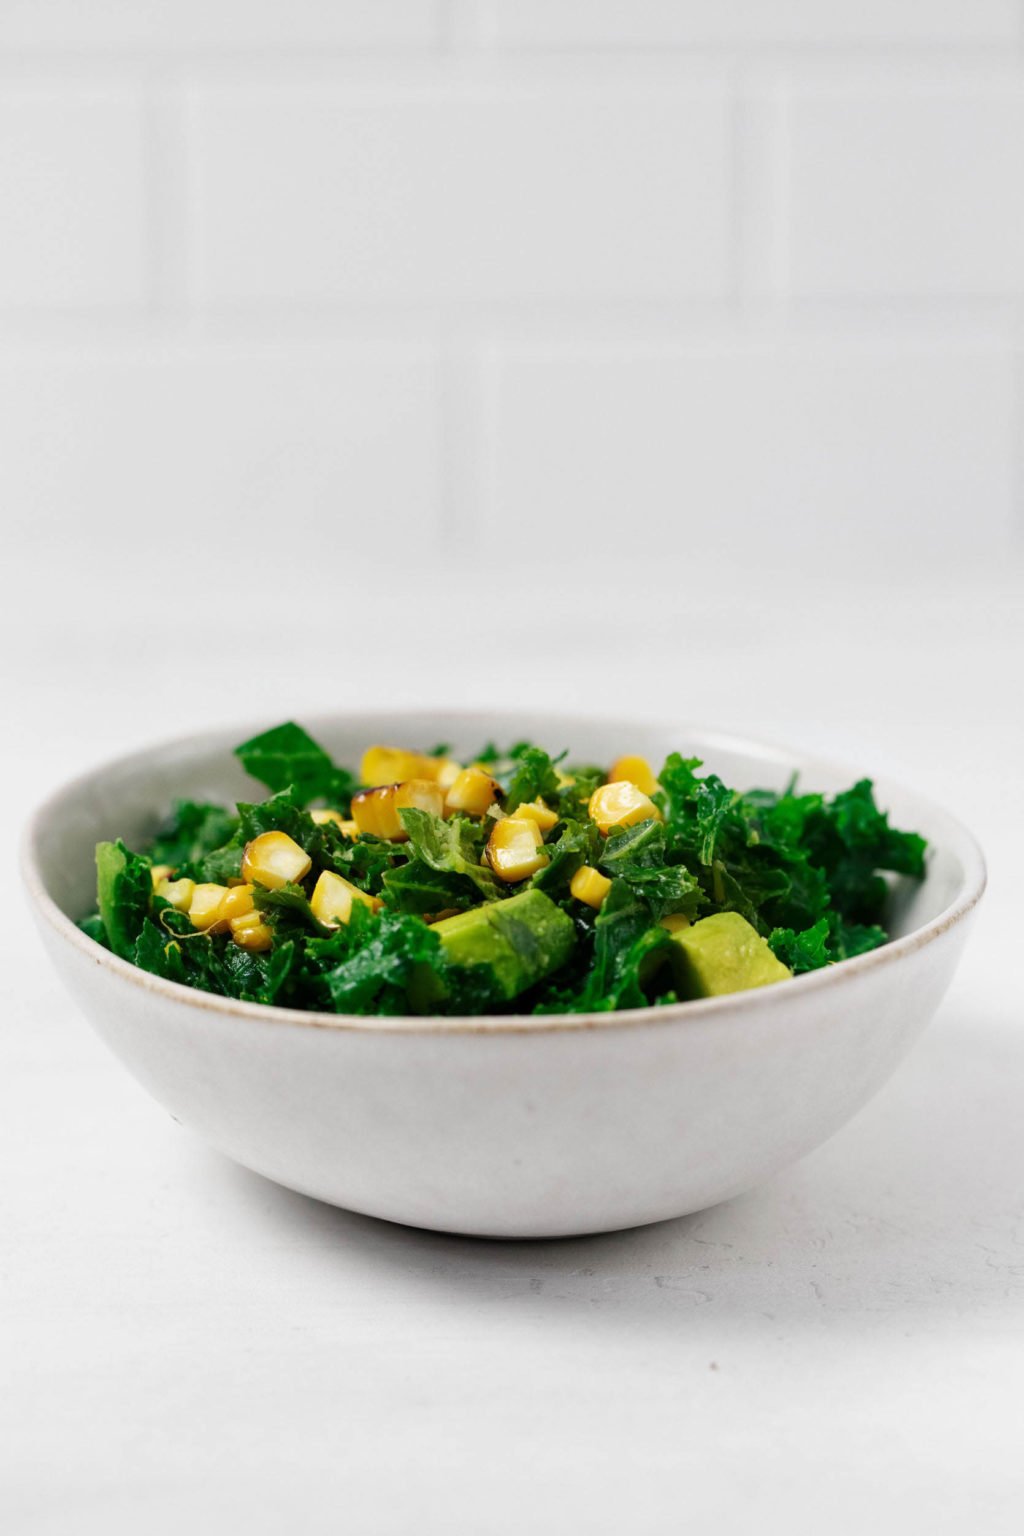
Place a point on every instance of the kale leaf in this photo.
(288, 756)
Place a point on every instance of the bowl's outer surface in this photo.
(506, 1128)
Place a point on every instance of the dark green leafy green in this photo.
(287, 756)
(809, 872)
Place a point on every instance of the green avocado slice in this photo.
(523, 939)
(724, 953)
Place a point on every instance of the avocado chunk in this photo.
(522, 939)
(724, 953)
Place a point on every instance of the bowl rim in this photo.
(757, 1000)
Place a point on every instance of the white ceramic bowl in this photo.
(506, 1127)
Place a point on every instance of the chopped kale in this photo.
(436, 929)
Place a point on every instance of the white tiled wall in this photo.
(431, 281)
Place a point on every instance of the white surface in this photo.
(187, 1346)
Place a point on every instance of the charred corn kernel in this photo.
(446, 772)
(332, 899)
(322, 815)
(637, 770)
(160, 873)
(589, 885)
(675, 922)
(237, 902)
(536, 810)
(205, 908)
(620, 805)
(249, 931)
(473, 793)
(178, 892)
(393, 765)
(274, 859)
(376, 810)
(515, 849)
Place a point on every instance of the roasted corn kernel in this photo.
(446, 771)
(237, 902)
(637, 770)
(274, 859)
(393, 765)
(205, 907)
(589, 885)
(322, 817)
(249, 931)
(178, 893)
(473, 793)
(376, 810)
(536, 810)
(332, 899)
(515, 849)
(621, 805)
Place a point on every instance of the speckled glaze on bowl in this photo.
(506, 1127)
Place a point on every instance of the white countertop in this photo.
(188, 1347)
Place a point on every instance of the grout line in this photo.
(168, 200)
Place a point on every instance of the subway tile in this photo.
(688, 23)
(541, 190)
(239, 471)
(72, 197)
(659, 454)
(908, 190)
(118, 26)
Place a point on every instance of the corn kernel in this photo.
(515, 849)
(178, 893)
(323, 817)
(446, 772)
(376, 810)
(205, 907)
(160, 873)
(249, 931)
(536, 810)
(675, 922)
(637, 770)
(332, 899)
(237, 902)
(393, 765)
(473, 793)
(589, 885)
(274, 859)
(620, 805)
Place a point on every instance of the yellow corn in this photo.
(160, 873)
(620, 805)
(237, 902)
(274, 859)
(332, 899)
(536, 810)
(675, 922)
(178, 892)
(376, 810)
(322, 817)
(637, 770)
(589, 885)
(205, 908)
(393, 765)
(515, 849)
(446, 772)
(473, 793)
(249, 931)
